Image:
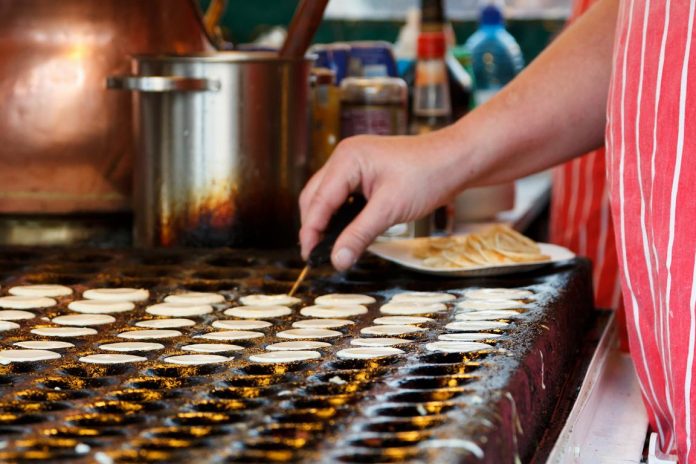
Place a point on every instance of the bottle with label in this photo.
(432, 110)
(496, 56)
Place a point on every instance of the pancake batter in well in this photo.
(298, 345)
(131, 346)
(322, 323)
(498, 294)
(149, 334)
(83, 320)
(165, 323)
(26, 302)
(100, 307)
(44, 345)
(380, 341)
(64, 331)
(468, 337)
(47, 290)
(259, 312)
(485, 305)
(15, 315)
(7, 325)
(309, 333)
(234, 324)
(402, 320)
(10, 356)
(487, 315)
(117, 294)
(340, 299)
(197, 359)
(412, 309)
(211, 347)
(269, 300)
(368, 352)
(333, 311)
(112, 358)
(476, 326)
(457, 347)
(232, 335)
(195, 298)
(284, 356)
(179, 309)
(390, 330)
(422, 297)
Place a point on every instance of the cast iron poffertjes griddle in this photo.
(422, 406)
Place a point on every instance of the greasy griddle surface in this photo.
(421, 407)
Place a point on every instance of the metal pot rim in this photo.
(223, 57)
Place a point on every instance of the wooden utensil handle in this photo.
(302, 28)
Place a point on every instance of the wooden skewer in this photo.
(299, 280)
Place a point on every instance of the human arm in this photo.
(553, 111)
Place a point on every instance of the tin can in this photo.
(326, 117)
(373, 106)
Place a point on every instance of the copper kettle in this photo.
(66, 143)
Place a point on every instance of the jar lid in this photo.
(375, 90)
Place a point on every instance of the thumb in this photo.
(372, 221)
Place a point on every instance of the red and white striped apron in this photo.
(651, 159)
(580, 213)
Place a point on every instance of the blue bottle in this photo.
(496, 56)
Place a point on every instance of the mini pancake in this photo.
(379, 341)
(333, 311)
(116, 294)
(368, 352)
(273, 357)
(341, 299)
(109, 358)
(298, 345)
(15, 315)
(422, 297)
(235, 324)
(46, 290)
(259, 312)
(498, 294)
(321, 323)
(10, 356)
(195, 298)
(7, 325)
(197, 359)
(153, 334)
(179, 309)
(165, 323)
(457, 347)
(485, 305)
(100, 307)
(468, 337)
(44, 345)
(476, 326)
(412, 309)
(487, 315)
(401, 320)
(64, 331)
(269, 300)
(232, 335)
(131, 346)
(26, 302)
(83, 320)
(390, 330)
(308, 333)
(211, 347)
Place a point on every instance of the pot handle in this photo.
(160, 84)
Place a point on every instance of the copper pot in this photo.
(66, 143)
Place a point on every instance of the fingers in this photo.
(372, 221)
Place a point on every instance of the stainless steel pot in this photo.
(222, 151)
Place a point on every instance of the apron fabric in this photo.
(651, 159)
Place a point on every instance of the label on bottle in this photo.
(374, 119)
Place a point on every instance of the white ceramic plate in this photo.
(401, 252)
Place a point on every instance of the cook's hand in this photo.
(403, 178)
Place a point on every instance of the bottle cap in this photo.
(491, 16)
(431, 45)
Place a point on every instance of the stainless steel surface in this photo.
(65, 142)
(220, 167)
